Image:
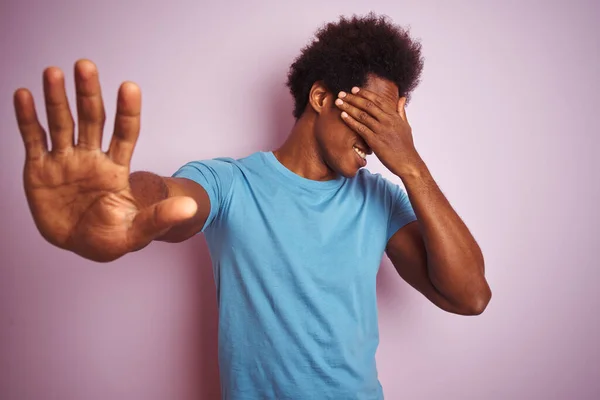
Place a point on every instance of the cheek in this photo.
(335, 135)
(330, 130)
(341, 132)
(339, 140)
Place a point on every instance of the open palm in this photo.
(80, 196)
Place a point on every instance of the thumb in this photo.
(401, 108)
(154, 221)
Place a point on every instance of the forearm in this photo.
(454, 260)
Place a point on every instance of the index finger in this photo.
(127, 124)
(387, 106)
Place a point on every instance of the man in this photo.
(296, 235)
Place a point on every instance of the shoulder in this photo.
(377, 187)
(226, 167)
(367, 180)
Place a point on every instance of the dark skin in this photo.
(86, 201)
(436, 254)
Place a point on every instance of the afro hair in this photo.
(343, 54)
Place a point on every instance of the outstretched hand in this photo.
(80, 196)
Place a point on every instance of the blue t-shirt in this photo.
(295, 264)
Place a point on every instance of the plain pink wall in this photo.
(506, 117)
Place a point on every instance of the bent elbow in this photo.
(480, 302)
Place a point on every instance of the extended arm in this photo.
(81, 197)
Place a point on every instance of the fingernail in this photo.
(339, 102)
(342, 94)
(355, 90)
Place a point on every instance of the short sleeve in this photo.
(216, 177)
(401, 212)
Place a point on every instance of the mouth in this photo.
(361, 154)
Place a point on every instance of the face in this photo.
(340, 147)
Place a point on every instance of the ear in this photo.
(318, 97)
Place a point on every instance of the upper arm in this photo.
(406, 250)
(209, 183)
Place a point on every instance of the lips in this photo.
(361, 155)
(360, 152)
(365, 149)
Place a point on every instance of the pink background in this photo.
(506, 118)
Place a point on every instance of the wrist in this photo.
(412, 167)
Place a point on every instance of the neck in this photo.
(300, 152)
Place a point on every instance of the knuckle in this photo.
(363, 116)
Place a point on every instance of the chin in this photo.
(348, 175)
(349, 171)
(345, 166)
